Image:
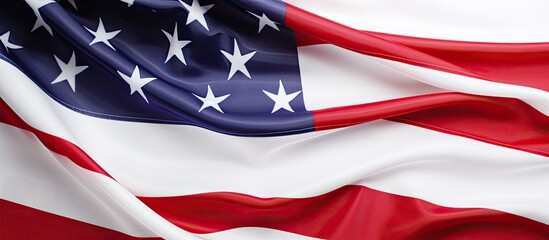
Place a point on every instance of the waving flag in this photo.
(263, 119)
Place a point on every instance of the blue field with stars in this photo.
(207, 63)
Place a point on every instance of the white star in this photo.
(72, 3)
(129, 2)
(5, 39)
(136, 82)
(176, 46)
(281, 99)
(36, 5)
(264, 20)
(69, 71)
(211, 100)
(238, 61)
(196, 12)
(101, 35)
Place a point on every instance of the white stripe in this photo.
(111, 205)
(469, 20)
(391, 78)
(118, 196)
(350, 78)
(254, 233)
(33, 176)
(536, 98)
(160, 160)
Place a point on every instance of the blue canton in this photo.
(229, 66)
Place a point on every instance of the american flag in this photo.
(264, 119)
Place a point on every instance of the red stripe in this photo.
(523, 64)
(331, 32)
(53, 143)
(499, 121)
(508, 123)
(355, 114)
(351, 212)
(21, 222)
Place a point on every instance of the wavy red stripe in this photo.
(500, 121)
(22, 222)
(355, 114)
(351, 212)
(523, 64)
(55, 144)
(303, 22)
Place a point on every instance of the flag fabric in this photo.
(264, 119)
